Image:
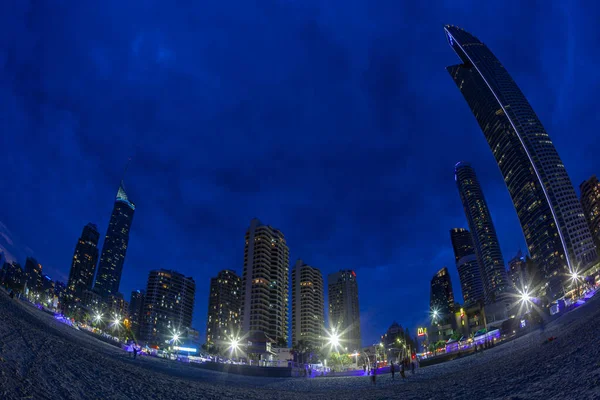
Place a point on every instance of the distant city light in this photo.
(188, 349)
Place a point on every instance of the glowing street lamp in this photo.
(525, 299)
(435, 314)
(98, 318)
(235, 344)
(575, 277)
(334, 340)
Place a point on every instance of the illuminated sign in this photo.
(421, 331)
(188, 349)
(451, 40)
(353, 273)
(462, 312)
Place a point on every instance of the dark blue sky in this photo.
(335, 122)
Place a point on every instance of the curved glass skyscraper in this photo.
(555, 229)
(115, 245)
(485, 240)
(467, 266)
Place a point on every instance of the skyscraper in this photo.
(344, 314)
(590, 201)
(265, 282)
(115, 245)
(557, 235)
(441, 299)
(136, 309)
(83, 267)
(33, 274)
(517, 271)
(308, 305)
(168, 305)
(485, 240)
(467, 266)
(224, 307)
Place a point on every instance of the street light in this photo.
(98, 318)
(234, 345)
(525, 299)
(334, 340)
(575, 277)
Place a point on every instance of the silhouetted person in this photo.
(412, 367)
(135, 350)
(402, 371)
(374, 377)
(365, 368)
(392, 370)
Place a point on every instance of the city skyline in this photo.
(194, 206)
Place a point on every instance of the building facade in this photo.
(441, 299)
(308, 305)
(517, 272)
(265, 282)
(168, 305)
(13, 276)
(115, 245)
(116, 305)
(85, 258)
(590, 201)
(557, 234)
(33, 275)
(467, 266)
(224, 307)
(344, 312)
(136, 308)
(485, 240)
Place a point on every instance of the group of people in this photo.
(488, 344)
(403, 365)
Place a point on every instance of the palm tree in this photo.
(300, 348)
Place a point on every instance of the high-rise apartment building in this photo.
(517, 272)
(33, 275)
(168, 305)
(441, 300)
(224, 307)
(13, 276)
(590, 201)
(115, 245)
(485, 240)
(467, 266)
(265, 282)
(344, 313)
(136, 309)
(557, 234)
(308, 305)
(83, 267)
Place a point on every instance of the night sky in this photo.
(335, 122)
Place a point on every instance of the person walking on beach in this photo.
(402, 371)
(392, 370)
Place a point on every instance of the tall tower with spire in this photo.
(115, 245)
